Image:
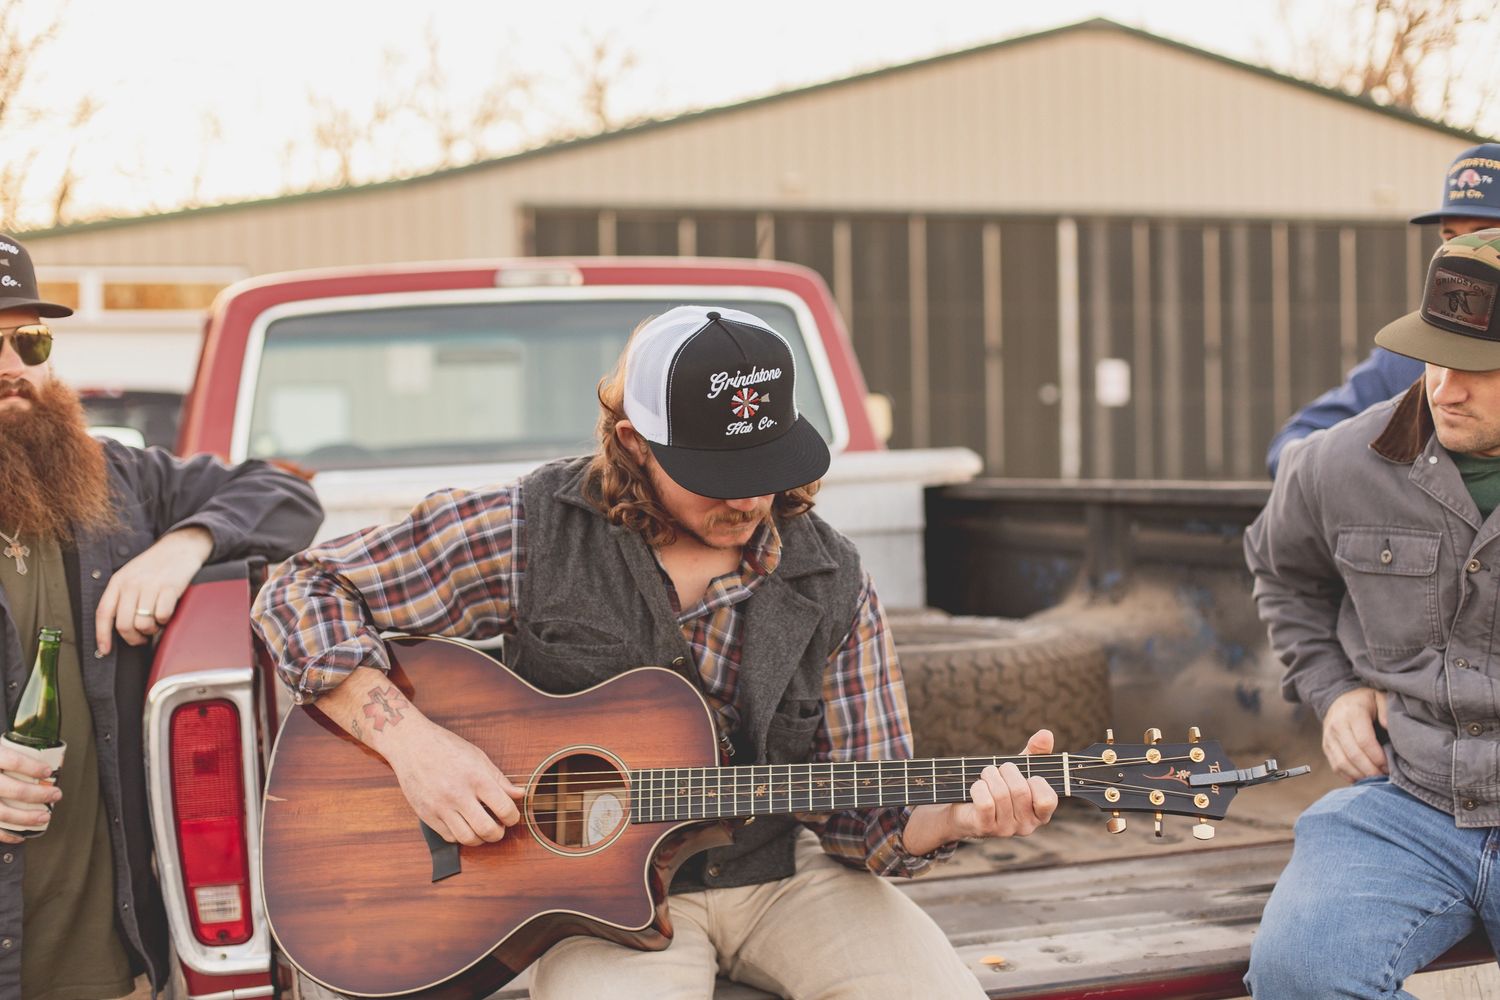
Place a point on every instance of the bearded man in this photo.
(685, 540)
(100, 541)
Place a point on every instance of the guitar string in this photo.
(1052, 766)
(947, 787)
(940, 787)
(805, 783)
(853, 783)
(836, 783)
(1117, 807)
(813, 785)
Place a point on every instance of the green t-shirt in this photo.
(70, 949)
(1482, 478)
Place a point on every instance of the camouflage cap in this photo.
(1458, 325)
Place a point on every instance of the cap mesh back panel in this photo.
(652, 351)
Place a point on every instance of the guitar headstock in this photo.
(1195, 778)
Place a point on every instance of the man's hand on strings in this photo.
(1004, 802)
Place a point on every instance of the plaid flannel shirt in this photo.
(454, 566)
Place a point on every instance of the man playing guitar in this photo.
(685, 541)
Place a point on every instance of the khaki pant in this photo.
(826, 932)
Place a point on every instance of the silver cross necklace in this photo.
(15, 550)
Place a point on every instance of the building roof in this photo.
(552, 149)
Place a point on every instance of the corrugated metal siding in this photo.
(1226, 325)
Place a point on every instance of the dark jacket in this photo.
(1379, 377)
(251, 510)
(594, 605)
(1374, 569)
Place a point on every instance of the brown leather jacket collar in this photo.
(1406, 433)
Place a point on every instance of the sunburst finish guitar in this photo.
(622, 785)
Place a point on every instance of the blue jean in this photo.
(1379, 885)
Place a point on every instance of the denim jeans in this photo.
(1379, 885)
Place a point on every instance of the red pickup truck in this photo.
(386, 383)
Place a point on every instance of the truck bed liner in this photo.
(1064, 931)
(1076, 914)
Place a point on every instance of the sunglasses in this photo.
(33, 342)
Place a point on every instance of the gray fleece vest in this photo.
(593, 605)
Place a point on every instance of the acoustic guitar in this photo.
(622, 786)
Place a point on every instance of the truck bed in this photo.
(1073, 912)
(1032, 923)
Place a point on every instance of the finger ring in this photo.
(145, 613)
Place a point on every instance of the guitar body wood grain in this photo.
(347, 874)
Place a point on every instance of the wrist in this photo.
(930, 827)
(393, 727)
(193, 540)
(954, 827)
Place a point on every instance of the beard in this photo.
(56, 484)
(715, 521)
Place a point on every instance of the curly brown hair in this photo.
(620, 487)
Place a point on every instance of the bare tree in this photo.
(14, 171)
(337, 134)
(67, 180)
(20, 45)
(602, 66)
(212, 129)
(21, 121)
(1432, 57)
(463, 131)
(420, 120)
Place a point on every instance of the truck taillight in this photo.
(208, 801)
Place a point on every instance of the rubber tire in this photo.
(982, 686)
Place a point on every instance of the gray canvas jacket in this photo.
(1373, 569)
(250, 510)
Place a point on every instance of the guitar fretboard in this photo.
(692, 793)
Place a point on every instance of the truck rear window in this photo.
(455, 384)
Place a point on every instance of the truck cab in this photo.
(384, 384)
(1090, 605)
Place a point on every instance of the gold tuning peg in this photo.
(1116, 823)
(1158, 824)
(1109, 737)
(1153, 735)
(1194, 735)
(1202, 831)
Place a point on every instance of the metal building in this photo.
(1089, 252)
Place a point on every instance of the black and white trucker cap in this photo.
(713, 393)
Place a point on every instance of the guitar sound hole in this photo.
(579, 802)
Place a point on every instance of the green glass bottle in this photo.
(38, 721)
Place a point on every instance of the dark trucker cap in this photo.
(18, 282)
(1471, 187)
(713, 393)
(1458, 325)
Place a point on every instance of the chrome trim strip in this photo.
(235, 685)
(246, 994)
(255, 344)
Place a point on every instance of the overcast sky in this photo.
(216, 96)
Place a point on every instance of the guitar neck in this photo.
(695, 793)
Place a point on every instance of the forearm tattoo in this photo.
(384, 708)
